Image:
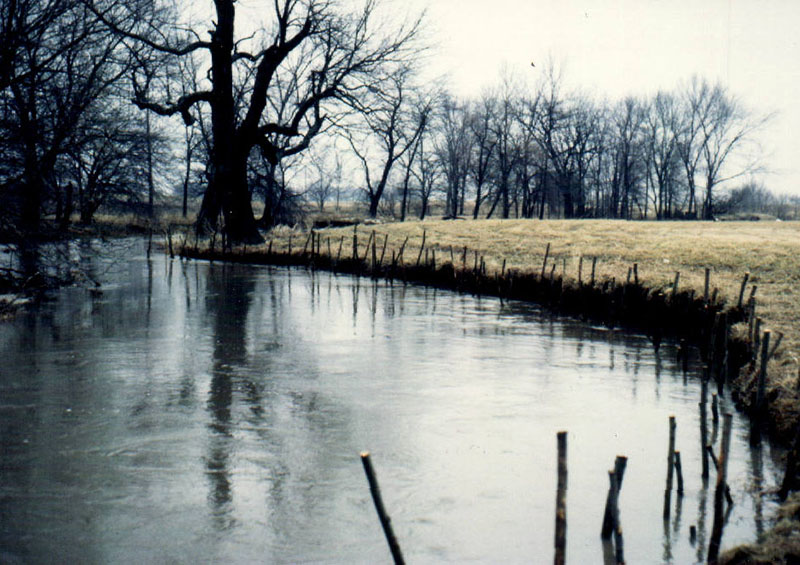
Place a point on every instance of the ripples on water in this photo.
(201, 412)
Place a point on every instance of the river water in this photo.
(198, 413)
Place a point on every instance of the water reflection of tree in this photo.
(228, 300)
(264, 405)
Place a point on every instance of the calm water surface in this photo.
(198, 413)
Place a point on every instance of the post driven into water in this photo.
(719, 492)
(561, 501)
(386, 522)
(670, 467)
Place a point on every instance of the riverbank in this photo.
(650, 254)
(32, 266)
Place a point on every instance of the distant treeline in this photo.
(544, 153)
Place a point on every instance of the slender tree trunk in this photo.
(477, 208)
(187, 172)
(708, 204)
(150, 184)
(506, 202)
(375, 196)
(66, 212)
(31, 191)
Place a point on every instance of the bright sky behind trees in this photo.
(615, 48)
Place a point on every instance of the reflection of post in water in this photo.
(228, 300)
(313, 282)
(149, 287)
(373, 307)
(676, 524)
(667, 541)
(168, 263)
(389, 301)
(757, 467)
(659, 366)
(355, 289)
(186, 287)
(637, 363)
(701, 521)
(330, 277)
(274, 302)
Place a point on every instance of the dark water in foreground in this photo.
(198, 413)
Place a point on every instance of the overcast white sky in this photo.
(613, 48)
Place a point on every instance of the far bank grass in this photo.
(769, 251)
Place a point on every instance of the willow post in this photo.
(704, 427)
(374, 259)
(544, 263)
(670, 467)
(612, 499)
(561, 501)
(741, 290)
(719, 492)
(386, 522)
(422, 247)
(675, 285)
(367, 247)
(762, 374)
(715, 408)
(355, 242)
(751, 321)
(383, 250)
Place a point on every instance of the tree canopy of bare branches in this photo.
(315, 58)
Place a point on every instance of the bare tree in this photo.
(338, 54)
(110, 162)
(426, 173)
(726, 127)
(51, 79)
(662, 154)
(388, 128)
(327, 179)
(695, 102)
(628, 162)
(453, 149)
(483, 146)
(503, 128)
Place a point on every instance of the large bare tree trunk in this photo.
(227, 192)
